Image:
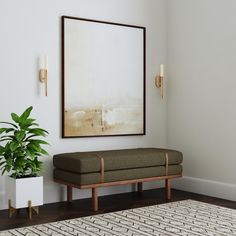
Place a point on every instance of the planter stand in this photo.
(12, 210)
(20, 197)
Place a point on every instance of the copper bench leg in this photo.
(168, 190)
(95, 199)
(140, 187)
(69, 193)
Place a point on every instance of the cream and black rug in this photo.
(186, 217)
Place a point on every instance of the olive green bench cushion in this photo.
(115, 175)
(90, 162)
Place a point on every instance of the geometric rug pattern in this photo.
(185, 218)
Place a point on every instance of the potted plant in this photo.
(20, 148)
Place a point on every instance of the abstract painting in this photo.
(103, 78)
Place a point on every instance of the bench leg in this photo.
(69, 193)
(168, 190)
(95, 199)
(140, 187)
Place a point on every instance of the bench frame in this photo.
(139, 183)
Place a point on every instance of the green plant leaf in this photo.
(20, 135)
(39, 141)
(4, 170)
(39, 132)
(8, 123)
(25, 114)
(14, 146)
(5, 139)
(20, 152)
(2, 130)
(30, 152)
(2, 150)
(29, 137)
(34, 147)
(9, 130)
(44, 152)
(20, 162)
(15, 117)
(8, 136)
(2, 163)
(27, 123)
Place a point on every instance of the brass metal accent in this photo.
(102, 167)
(43, 78)
(167, 163)
(159, 83)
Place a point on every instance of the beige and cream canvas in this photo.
(103, 79)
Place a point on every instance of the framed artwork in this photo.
(103, 78)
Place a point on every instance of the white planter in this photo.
(21, 191)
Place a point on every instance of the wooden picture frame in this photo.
(103, 78)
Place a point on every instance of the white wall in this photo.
(201, 93)
(30, 28)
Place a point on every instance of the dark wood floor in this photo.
(78, 208)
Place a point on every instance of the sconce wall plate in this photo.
(159, 80)
(43, 72)
(159, 83)
(43, 78)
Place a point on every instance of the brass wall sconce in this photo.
(43, 72)
(159, 79)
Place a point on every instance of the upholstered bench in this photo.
(116, 167)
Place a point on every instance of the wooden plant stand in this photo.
(30, 209)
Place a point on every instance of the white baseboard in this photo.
(206, 187)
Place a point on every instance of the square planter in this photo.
(21, 191)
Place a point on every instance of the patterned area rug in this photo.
(186, 217)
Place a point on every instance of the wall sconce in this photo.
(43, 72)
(159, 80)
